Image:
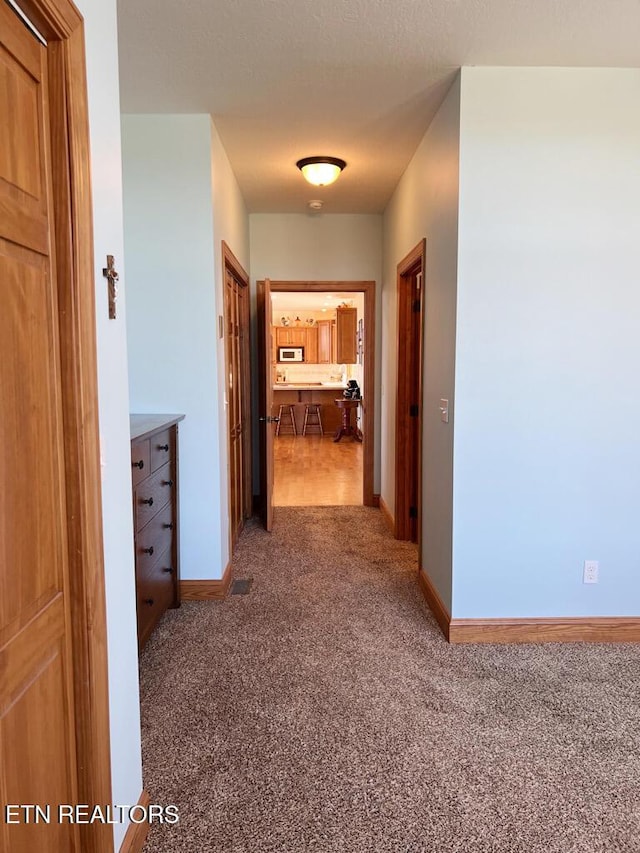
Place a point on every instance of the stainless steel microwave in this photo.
(290, 353)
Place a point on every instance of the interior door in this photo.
(37, 739)
(265, 380)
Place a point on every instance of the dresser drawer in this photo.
(152, 495)
(155, 592)
(154, 539)
(140, 464)
(162, 448)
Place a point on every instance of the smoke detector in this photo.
(315, 204)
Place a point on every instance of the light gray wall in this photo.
(106, 178)
(323, 247)
(425, 204)
(180, 201)
(547, 403)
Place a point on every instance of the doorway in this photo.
(316, 339)
(408, 492)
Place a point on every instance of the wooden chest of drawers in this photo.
(154, 466)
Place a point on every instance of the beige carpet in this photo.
(324, 712)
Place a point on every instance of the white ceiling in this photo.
(357, 79)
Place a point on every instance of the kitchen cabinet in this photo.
(311, 345)
(290, 336)
(297, 336)
(326, 342)
(346, 336)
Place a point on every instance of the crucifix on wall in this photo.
(110, 273)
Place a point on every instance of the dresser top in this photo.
(142, 426)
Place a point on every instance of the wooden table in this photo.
(346, 427)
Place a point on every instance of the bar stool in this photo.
(312, 418)
(289, 410)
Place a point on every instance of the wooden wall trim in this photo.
(387, 515)
(436, 604)
(589, 629)
(376, 501)
(136, 833)
(206, 590)
(61, 24)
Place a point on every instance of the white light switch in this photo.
(444, 411)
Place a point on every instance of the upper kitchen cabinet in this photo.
(290, 336)
(326, 342)
(297, 336)
(346, 336)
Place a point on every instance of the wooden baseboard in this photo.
(136, 833)
(206, 590)
(583, 629)
(384, 509)
(376, 500)
(588, 629)
(436, 604)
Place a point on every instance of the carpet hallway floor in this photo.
(324, 712)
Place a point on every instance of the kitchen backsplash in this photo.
(301, 373)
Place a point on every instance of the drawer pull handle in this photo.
(164, 447)
(168, 526)
(148, 550)
(168, 570)
(168, 483)
(149, 601)
(139, 464)
(148, 501)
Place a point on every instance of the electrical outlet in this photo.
(590, 573)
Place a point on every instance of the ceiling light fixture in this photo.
(321, 171)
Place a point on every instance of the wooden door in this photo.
(265, 381)
(409, 396)
(238, 402)
(37, 724)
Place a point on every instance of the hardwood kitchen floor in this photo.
(311, 470)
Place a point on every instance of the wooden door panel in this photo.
(23, 197)
(40, 771)
(37, 722)
(30, 450)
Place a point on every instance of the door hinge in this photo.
(414, 410)
(416, 306)
(413, 512)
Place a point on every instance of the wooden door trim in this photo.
(414, 261)
(368, 414)
(62, 26)
(231, 264)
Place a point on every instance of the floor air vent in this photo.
(242, 586)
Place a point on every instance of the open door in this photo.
(265, 402)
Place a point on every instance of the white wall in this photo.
(425, 204)
(181, 200)
(322, 247)
(104, 119)
(231, 224)
(547, 403)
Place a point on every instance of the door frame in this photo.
(63, 28)
(408, 458)
(231, 264)
(368, 409)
